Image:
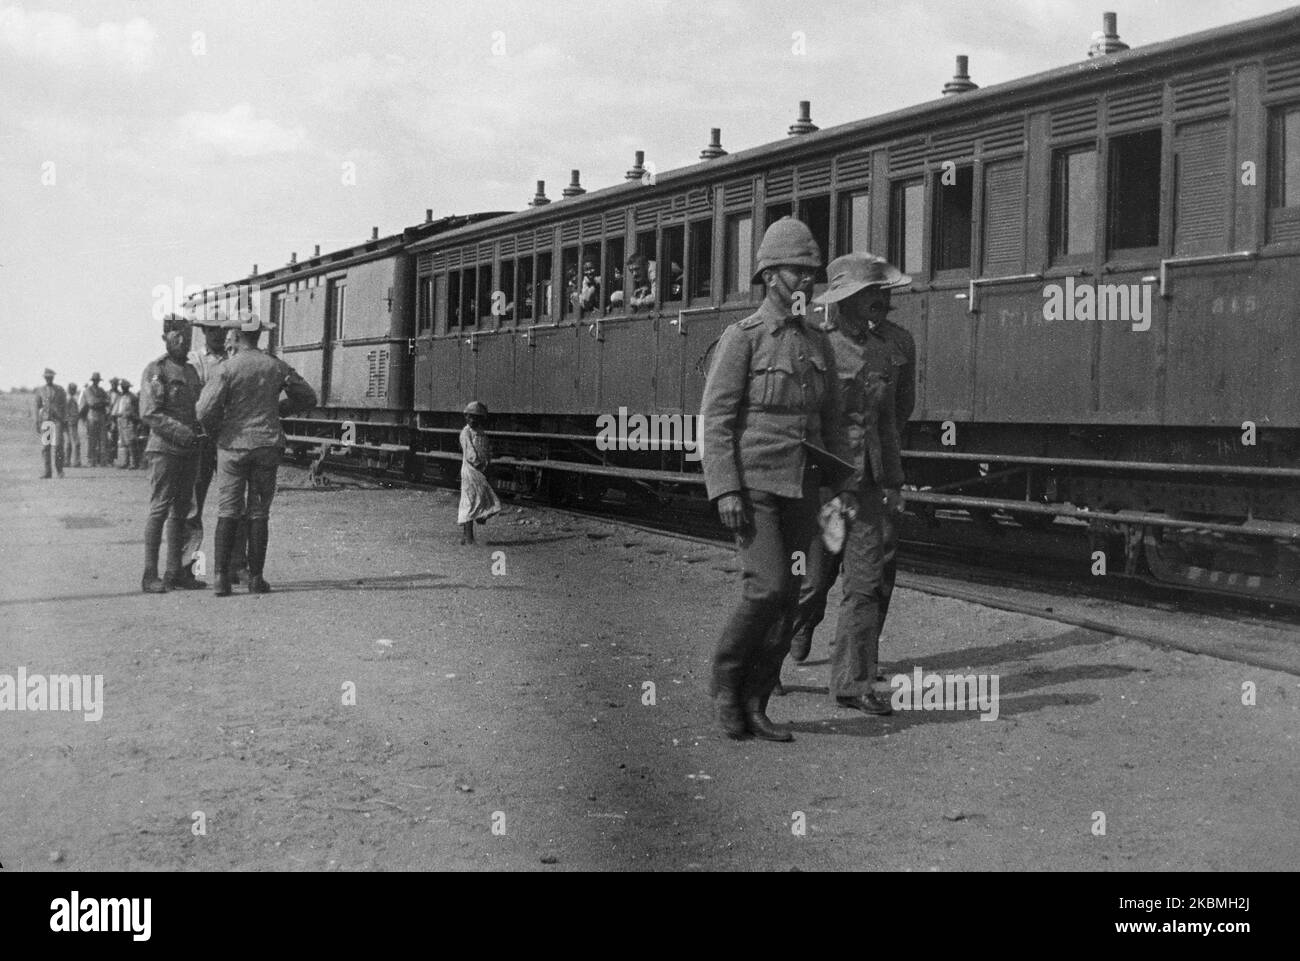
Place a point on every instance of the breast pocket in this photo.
(775, 385)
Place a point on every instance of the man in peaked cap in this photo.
(51, 408)
(94, 408)
(241, 407)
(169, 389)
(770, 393)
(868, 362)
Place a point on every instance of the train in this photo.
(1104, 263)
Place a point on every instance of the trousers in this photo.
(52, 440)
(247, 476)
(96, 437)
(72, 442)
(754, 641)
(171, 487)
(855, 649)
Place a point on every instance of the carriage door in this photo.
(335, 311)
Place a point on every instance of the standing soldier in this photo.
(770, 393)
(126, 411)
(110, 446)
(94, 408)
(169, 390)
(870, 361)
(204, 360)
(71, 432)
(51, 408)
(241, 407)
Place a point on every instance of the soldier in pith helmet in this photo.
(770, 409)
(95, 409)
(71, 429)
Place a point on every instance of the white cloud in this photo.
(60, 38)
(239, 132)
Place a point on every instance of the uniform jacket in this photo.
(205, 363)
(127, 406)
(168, 393)
(71, 411)
(51, 403)
(770, 387)
(903, 365)
(94, 399)
(862, 365)
(241, 405)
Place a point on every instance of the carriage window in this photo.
(483, 301)
(569, 288)
(453, 299)
(816, 213)
(954, 192)
(503, 298)
(544, 291)
(1074, 202)
(853, 224)
(906, 208)
(700, 275)
(776, 211)
(1133, 209)
(337, 300)
(671, 270)
(424, 308)
(1284, 159)
(613, 277)
(526, 292)
(589, 279)
(740, 254)
(468, 298)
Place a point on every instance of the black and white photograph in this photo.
(651, 436)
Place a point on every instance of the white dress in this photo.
(478, 501)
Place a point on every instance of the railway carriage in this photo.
(1103, 262)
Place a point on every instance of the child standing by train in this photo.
(478, 501)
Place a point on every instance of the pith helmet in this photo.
(854, 272)
(788, 242)
(477, 408)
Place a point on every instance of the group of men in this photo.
(801, 457)
(112, 420)
(211, 412)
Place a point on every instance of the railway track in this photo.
(1037, 572)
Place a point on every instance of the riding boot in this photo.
(45, 459)
(239, 552)
(258, 534)
(222, 540)
(178, 577)
(153, 533)
(759, 723)
(731, 716)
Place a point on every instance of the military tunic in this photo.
(51, 408)
(94, 408)
(168, 393)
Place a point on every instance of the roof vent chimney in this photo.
(1107, 39)
(254, 270)
(317, 252)
(540, 199)
(638, 168)
(293, 257)
(804, 124)
(961, 81)
(374, 233)
(714, 149)
(574, 189)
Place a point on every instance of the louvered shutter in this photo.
(1004, 217)
(1201, 206)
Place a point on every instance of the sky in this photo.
(149, 145)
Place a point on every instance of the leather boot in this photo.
(239, 552)
(222, 540)
(178, 577)
(153, 532)
(258, 531)
(731, 717)
(759, 723)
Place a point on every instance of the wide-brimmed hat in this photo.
(213, 319)
(95, 376)
(247, 322)
(48, 373)
(854, 272)
(477, 408)
(123, 382)
(788, 242)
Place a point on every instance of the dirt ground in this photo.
(500, 719)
